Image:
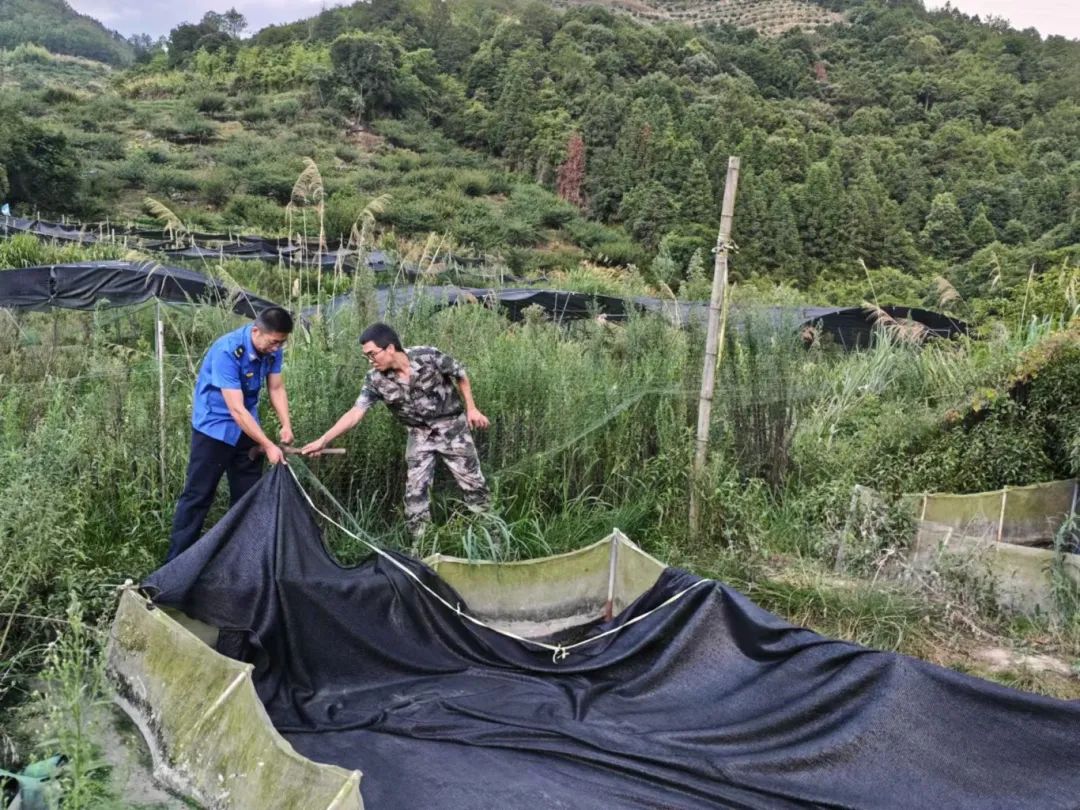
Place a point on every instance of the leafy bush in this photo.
(517, 232)
(272, 180)
(220, 186)
(539, 207)
(255, 114)
(343, 208)
(185, 124)
(211, 103)
(411, 217)
(190, 125)
(135, 171)
(255, 212)
(104, 146)
(618, 251)
(243, 150)
(165, 180)
(286, 110)
(55, 96)
(473, 183)
(346, 153)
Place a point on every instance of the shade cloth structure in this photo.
(194, 245)
(558, 305)
(88, 285)
(690, 696)
(849, 327)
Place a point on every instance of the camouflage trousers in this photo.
(451, 440)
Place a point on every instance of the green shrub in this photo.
(286, 110)
(539, 207)
(135, 171)
(255, 212)
(517, 232)
(165, 180)
(55, 96)
(106, 146)
(272, 180)
(431, 178)
(243, 150)
(220, 186)
(343, 208)
(1052, 400)
(211, 103)
(473, 183)
(411, 217)
(156, 155)
(256, 114)
(346, 153)
(618, 251)
(190, 125)
(185, 124)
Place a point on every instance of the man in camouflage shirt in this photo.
(418, 386)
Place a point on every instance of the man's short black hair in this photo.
(382, 336)
(275, 319)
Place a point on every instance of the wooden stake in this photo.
(159, 348)
(1001, 516)
(712, 340)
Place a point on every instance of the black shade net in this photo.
(707, 702)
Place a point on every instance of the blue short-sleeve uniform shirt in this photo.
(231, 362)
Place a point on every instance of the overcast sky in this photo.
(157, 17)
(1047, 16)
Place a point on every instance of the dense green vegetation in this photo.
(902, 157)
(53, 24)
(926, 147)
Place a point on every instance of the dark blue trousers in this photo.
(209, 460)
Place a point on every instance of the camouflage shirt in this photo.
(427, 395)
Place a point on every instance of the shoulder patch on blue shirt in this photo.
(239, 352)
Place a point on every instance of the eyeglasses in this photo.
(372, 355)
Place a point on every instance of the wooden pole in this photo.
(159, 347)
(712, 340)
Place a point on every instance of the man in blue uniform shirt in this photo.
(225, 419)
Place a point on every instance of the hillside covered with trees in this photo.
(940, 152)
(55, 25)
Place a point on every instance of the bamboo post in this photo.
(159, 350)
(712, 340)
(1001, 516)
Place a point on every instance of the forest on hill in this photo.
(899, 153)
(55, 25)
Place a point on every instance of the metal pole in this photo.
(712, 339)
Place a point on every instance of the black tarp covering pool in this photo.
(709, 702)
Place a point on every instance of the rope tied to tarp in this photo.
(559, 652)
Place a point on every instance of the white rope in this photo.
(558, 652)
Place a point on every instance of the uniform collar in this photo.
(249, 347)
